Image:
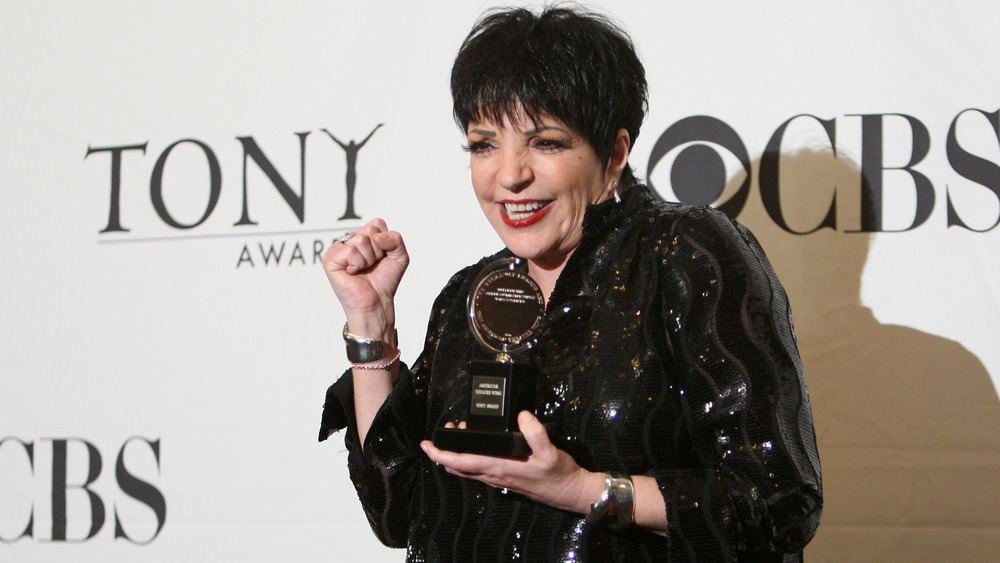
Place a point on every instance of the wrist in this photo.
(376, 326)
(364, 350)
(589, 489)
(378, 365)
(615, 507)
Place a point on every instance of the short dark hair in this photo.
(565, 62)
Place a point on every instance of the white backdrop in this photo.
(198, 341)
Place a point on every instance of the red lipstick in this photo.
(524, 221)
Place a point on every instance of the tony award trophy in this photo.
(505, 307)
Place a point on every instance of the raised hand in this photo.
(365, 272)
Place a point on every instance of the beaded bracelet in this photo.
(377, 367)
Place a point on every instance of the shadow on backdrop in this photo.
(907, 423)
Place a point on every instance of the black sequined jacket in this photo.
(667, 350)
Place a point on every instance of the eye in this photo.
(549, 144)
(478, 147)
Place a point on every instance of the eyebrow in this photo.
(543, 128)
(535, 131)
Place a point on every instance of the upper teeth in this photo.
(523, 207)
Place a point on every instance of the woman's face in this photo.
(534, 182)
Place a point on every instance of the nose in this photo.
(514, 173)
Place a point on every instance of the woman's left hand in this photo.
(549, 475)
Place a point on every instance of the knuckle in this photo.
(547, 461)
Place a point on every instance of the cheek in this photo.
(480, 183)
(593, 189)
(482, 195)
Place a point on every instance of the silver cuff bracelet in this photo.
(616, 507)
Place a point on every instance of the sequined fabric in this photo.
(667, 350)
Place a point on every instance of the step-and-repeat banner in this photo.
(171, 174)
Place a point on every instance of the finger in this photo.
(370, 228)
(469, 465)
(335, 257)
(443, 457)
(361, 253)
(358, 240)
(377, 225)
(348, 254)
(391, 242)
(536, 435)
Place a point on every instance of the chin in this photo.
(537, 245)
(521, 249)
(534, 253)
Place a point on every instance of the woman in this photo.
(672, 420)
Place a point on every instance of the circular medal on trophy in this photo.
(505, 307)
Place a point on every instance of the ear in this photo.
(618, 159)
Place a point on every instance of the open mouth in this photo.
(524, 213)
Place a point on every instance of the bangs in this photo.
(512, 77)
(497, 108)
(574, 66)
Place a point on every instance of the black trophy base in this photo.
(482, 442)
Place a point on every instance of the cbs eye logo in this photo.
(692, 159)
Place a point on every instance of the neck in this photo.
(545, 271)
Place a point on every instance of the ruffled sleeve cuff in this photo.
(338, 410)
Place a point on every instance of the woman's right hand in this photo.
(365, 272)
